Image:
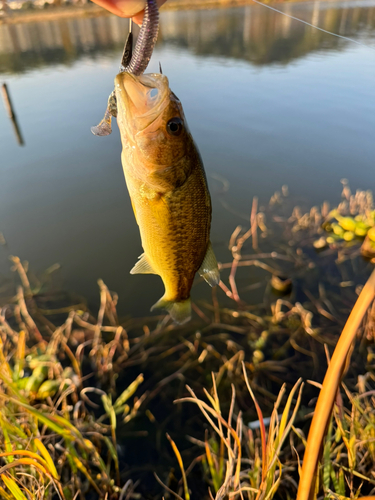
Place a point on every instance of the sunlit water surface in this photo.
(269, 100)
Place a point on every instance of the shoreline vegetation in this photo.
(229, 406)
(92, 10)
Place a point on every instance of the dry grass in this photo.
(72, 383)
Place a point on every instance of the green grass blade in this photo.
(56, 423)
(13, 487)
(128, 393)
(4, 494)
(47, 457)
(111, 449)
(181, 464)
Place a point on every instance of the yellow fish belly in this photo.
(175, 228)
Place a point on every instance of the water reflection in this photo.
(32, 45)
(252, 33)
(263, 36)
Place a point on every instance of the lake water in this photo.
(269, 100)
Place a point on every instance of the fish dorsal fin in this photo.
(142, 266)
(209, 269)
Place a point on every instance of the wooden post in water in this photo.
(10, 112)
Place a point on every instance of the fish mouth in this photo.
(142, 98)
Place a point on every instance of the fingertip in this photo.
(138, 18)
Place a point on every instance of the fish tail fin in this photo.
(180, 311)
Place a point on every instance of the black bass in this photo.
(164, 174)
(168, 189)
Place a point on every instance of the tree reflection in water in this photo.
(252, 33)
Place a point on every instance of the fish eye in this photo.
(175, 126)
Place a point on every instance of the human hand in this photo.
(127, 8)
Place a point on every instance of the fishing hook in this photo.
(133, 61)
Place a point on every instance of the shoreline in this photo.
(92, 10)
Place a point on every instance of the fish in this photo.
(168, 189)
(164, 174)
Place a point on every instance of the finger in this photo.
(138, 18)
(126, 8)
(123, 8)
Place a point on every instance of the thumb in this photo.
(138, 18)
(126, 8)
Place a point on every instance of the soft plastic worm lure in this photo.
(133, 61)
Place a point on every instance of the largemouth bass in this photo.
(168, 189)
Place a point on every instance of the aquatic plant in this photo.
(72, 381)
(50, 440)
(232, 475)
(353, 219)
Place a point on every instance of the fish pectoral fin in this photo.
(105, 126)
(209, 269)
(134, 210)
(142, 266)
(180, 311)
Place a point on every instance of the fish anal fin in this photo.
(180, 311)
(209, 269)
(142, 266)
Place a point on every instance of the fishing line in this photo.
(314, 25)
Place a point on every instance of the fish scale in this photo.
(166, 181)
(176, 248)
